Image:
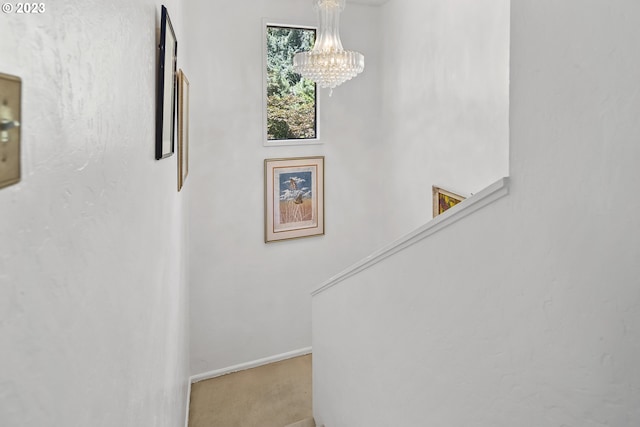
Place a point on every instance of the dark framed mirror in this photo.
(166, 93)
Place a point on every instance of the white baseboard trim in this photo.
(186, 417)
(249, 365)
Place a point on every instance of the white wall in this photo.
(445, 98)
(527, 312)
(249, 299)
(93, 298)
(386, 143)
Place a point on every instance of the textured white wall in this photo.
(93, 299)
(445, 98)
(249, 299)
(527, 312)
(386, 142)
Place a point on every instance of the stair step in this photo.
(307, 422)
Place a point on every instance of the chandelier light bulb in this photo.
(328, 64)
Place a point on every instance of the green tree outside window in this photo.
(291, 99)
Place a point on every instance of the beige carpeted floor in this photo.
(273, 395)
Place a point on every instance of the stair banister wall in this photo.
(382, 334)
(524, 313)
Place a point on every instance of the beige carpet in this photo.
(273, 395)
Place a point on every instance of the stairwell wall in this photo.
(385, 145)
(526, 312)
(251, 300)
(93, 296)
(445, 101)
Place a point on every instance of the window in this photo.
(291, 101)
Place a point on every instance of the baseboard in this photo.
(249, 365)
(186, 418)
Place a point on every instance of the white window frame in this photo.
(284, 142)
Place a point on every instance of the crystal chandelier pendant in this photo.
(328, 64)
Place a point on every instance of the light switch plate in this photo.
(10, 125)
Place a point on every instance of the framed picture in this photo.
(183, 128)
(294, 198)
(443, 200)
(166, 91)
(10, 119)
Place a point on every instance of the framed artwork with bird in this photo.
(294, 198)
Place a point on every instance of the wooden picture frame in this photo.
(294, 198)
(443, 200)
(166, 88)
(10, 129)
(183, 128)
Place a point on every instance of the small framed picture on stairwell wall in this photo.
(294, 198)
(444, 200)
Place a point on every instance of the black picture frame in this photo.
(166, 93)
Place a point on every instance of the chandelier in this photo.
(328, 64)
